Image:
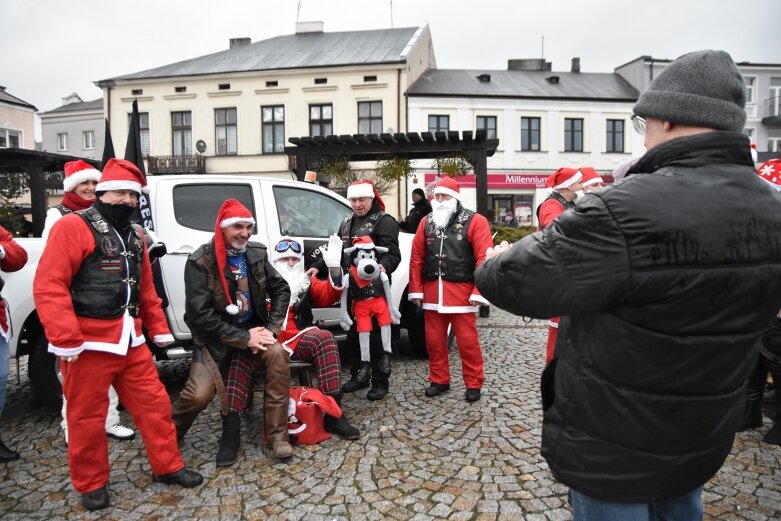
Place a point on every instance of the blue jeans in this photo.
(3, 371)
(687, 507)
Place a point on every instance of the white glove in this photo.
(332, 254)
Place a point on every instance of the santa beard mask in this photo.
(296, 278)
(442, 212)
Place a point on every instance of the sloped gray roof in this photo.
(294, 51)
(13, 100)
(523, 84)
(78, 106)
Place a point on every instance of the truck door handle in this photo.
(185, 250)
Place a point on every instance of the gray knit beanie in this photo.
(701, 89)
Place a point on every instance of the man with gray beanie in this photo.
(664, 281)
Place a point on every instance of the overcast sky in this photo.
(52, 48)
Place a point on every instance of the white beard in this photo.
(295, 277)
(442, 212)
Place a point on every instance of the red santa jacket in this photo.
(321, 294)
(441, 295)
(13, 258)
(70, 243)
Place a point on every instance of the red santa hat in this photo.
(589, 176)
(364, 242)
(76, 172)
(285, 248)
(121, 174)
(563, 178)
(770, 172)
(231, 212)
(365, 188)
(448, 186)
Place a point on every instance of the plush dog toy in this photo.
(369, 291)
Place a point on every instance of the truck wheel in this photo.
(41, 369)
(416, 330)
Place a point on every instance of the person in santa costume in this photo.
(565, 183)
(368, 219)
(227, 282)
(449, 244)
(79, 186)
(12, 258)
(299, 336)
(93, 293)
(590, 180)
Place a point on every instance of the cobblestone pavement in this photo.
(418, 458)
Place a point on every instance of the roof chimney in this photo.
(309, 27)
(239, 42)
(529, 64)
(575, 65)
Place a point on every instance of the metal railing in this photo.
(177, 164)
(771, 108)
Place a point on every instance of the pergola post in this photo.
(37, 197)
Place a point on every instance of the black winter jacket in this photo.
(419, 210)
(205, 313)
(665, 281)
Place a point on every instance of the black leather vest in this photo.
(64, 210)
(449, 253)
(374, 289)
(366, 228)
(108, 281)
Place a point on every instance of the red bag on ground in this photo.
(305, 415)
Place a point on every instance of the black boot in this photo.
(380, 379)
(340, 426)
(7, 454)
(774, 434)
(360, 379)
(230, 441)
(752, 417)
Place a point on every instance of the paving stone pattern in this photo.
(418, 458)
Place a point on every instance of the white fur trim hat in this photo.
(121, 174)
(448, 186)
(360, 189)
(76, 172)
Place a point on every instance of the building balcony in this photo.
(771, 112)
(176, 164)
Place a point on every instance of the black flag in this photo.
(108, 147)
(134, 154)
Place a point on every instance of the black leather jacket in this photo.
(665, 281)
(205, 313)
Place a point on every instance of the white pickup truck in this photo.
(183, 208)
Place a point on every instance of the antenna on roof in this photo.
(542, 47)
(298, 12)
(391, 13)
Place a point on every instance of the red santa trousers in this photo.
(465, 328)
(134, 376)
(553, 334)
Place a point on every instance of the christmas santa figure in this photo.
(448, 246)
(93, 292)
(590, 180)
(564, 182)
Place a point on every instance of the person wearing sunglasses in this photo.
(665, 282)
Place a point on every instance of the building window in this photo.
(62, 141)
(370, 78)
(321, 120)
(10, 138)
(751, 82)
(180, 89)
(143, 125)
(530, 134)
(136, 92)
(487, 123)
(273, 129)
(573, 135)
(89, 139)
(774, 144)
(615, 136)
(370, 117)
(225, 131)
(272, 84)
(321, 81)
(182, 133)
(438, 123)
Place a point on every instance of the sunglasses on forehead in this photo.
(284, 245)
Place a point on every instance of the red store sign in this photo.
(503, 180)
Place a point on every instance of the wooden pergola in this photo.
(35, 164)
(308, 151)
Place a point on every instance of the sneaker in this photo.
(118, 432)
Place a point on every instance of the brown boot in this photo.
(281, 450)
(276, 396)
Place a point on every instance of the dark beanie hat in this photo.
(700, 89)
(420, 192)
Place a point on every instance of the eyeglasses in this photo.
(638, 122)
(284, 245)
